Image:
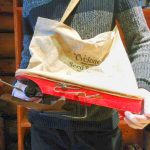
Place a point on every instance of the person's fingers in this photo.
(136, 120)
(146, 96)
(131, 124)
(142, 118)
(148, 116)
(131, 117)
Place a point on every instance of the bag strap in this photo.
(70, 8)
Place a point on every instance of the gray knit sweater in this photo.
(90, 18)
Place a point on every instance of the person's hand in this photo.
(140, 121)
(21, 94)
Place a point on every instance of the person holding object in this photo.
(100, 128)
(140, 121)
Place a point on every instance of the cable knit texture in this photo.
(90, 18)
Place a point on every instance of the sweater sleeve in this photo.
(27, 36)
(137, 37)
(29, 21)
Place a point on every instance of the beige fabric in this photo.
(58, 52)
(70, 8)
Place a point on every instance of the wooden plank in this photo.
(130, 135)
(9, 79)
(7, 66)
(18, 3)
(7, 23)
(4, 88)
(147, 16)
(2, 133)
(18, 34)
(6, 6)
(11, 109)
(7, 45)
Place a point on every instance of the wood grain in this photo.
(7, 66)
(4, 88)
(6, 6)
(147, 16)
(7, 24)
(18, 34)
(7, 45)
(130, 135)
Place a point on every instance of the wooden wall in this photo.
(7, 47)
(147, 16)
